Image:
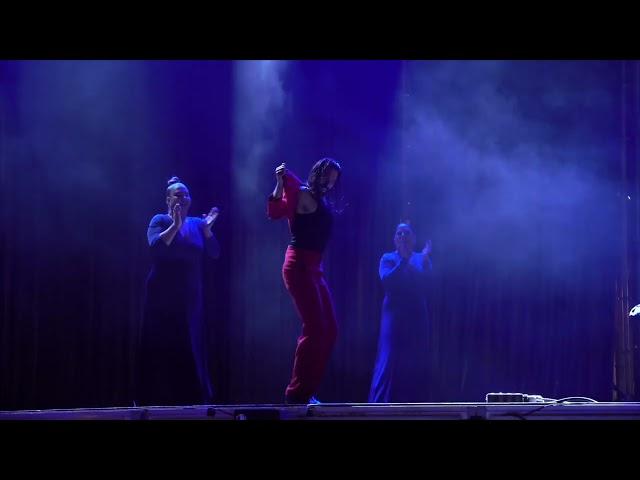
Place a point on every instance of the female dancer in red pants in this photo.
(310, 220)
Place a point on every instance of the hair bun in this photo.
(173, 180)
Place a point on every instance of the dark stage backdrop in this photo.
(512, 168)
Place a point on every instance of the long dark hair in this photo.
(315, 175)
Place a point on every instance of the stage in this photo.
(346, 411)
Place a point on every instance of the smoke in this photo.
(75, 130)
(259, 107)
(511, 161)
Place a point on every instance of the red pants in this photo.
(303, 277)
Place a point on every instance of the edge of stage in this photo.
(346, 411)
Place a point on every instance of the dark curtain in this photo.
(511, 168)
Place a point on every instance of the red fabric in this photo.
(304, 279)
(285, 207)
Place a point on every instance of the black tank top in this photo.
(311, 231)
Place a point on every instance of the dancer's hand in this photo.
(280, 171)
(427, 248)
(405, 252)
(176, 216)
(210, 217)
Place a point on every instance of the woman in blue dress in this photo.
(172, 361)
(401, 368)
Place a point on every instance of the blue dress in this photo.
(401, 368)
(172, 361)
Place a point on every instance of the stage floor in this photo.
(347, 411)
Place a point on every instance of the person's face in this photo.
(328, 179)
(404, 238)
(179, 194)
